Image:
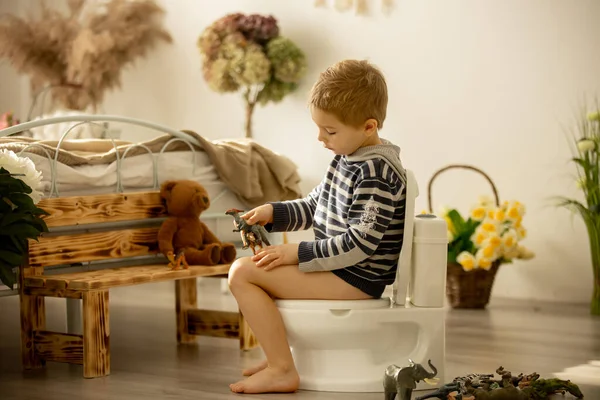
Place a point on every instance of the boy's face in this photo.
(343, 139)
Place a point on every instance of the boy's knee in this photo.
(241, 271)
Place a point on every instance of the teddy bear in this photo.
(182, 237)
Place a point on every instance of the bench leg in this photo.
(186, 298)
(247, 339)
(33, 318)
(96, 334)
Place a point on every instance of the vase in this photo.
(593, 228)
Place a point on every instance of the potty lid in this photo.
(334, 304)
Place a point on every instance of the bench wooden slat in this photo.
(125, 276)
(82, 210)
(59, 347)
(216, 323)
(83, 247)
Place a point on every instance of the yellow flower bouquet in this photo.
(479, 243)
(491, 234)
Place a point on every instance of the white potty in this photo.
(346, 345)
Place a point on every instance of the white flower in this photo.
(512, 253)
(443, 211)
(586, 145)
(466, 260)
(482, 261)
(485, 201)
(478, 213)
(515, 211)
(524, 253)
(489, 226)
(510, 239)
(23, 165)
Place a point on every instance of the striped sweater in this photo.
(357, 215)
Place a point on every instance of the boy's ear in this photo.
(370, 126)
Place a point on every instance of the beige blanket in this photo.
(254, 173)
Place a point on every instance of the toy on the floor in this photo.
(183, 234)
(508, 387)
(402, 380)
(252, 235)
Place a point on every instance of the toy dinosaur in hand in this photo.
(252, 235)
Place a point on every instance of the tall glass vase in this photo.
(593, 228)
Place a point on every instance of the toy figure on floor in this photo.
(509, 387)
(402, 380)
(183, 234)
(252, 235)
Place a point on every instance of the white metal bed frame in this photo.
(74, 306)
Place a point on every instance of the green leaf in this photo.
(42, 225)
(452, 256)
(24, 231)
(581, 162)
(5, 205)
(7, 276)
(576, 206)
(13, 217)
(11, 258)
(457, 220)
(21, 244)
(22, 201)
(13, 185)
(9, 245)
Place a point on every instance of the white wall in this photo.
(488, 83)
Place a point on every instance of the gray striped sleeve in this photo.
(295, 215)
(371, 212)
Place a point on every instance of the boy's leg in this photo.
(253, 289)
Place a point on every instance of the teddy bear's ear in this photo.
(166, 187)
(201, 200)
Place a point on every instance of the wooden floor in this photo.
(147, 363)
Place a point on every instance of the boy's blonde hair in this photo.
(352, 90)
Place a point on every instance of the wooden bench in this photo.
(108, 236)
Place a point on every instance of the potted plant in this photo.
(20, 218)
(479, 243)
(587, 162)
(246, 53)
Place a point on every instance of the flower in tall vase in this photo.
(20, 218)
(586, 139)
(247, 54)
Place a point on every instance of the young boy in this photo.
(357, 214)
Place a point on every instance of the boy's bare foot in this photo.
(257, 368)
(269, 380)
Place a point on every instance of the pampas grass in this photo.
(81, 53)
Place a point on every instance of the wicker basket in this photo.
(470, 289)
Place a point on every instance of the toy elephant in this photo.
(402, 380)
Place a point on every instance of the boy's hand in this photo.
(260, 215)
(274, 256)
